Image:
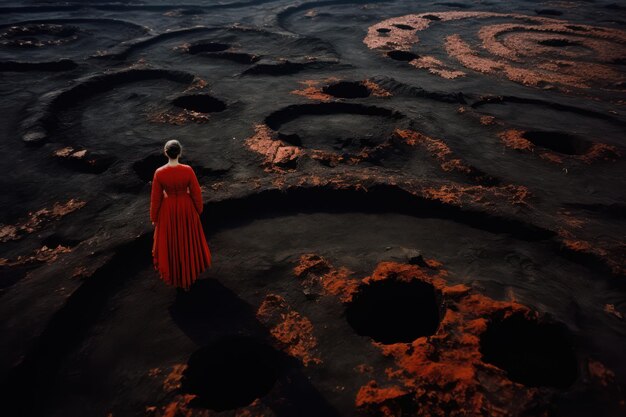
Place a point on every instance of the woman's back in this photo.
(175, 180)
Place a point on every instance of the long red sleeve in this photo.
(156, 197)
(195, 192)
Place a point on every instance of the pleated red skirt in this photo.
(180, 252)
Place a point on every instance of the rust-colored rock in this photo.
(35, 220)
(277, 155)
(523, 52)
(444, 374)
(317, 271)
(515, 139)
(292, 331)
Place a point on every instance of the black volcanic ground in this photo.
(422, 216)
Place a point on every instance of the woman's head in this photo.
(173, 149)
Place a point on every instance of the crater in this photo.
(201, 103)
(350, 132)
(403, 26)
(38, 34)
(353, 126)
(402, 55)
(455, 5)
(548, 12)
(558, 42)
(230, 373)
(239, 57)
(531, 352)
(289, 113)
(221, 51)
(281, 68)
(82, 160)
(391, 311)
(191, 12)
(560, 142)
(200, 47)
(347, 89)
(146, 167)
(383, 30)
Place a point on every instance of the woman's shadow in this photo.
(235, 362)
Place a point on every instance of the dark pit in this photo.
(353, 126)
(275, 69)
(191, 12)
(548, 12)
(207, 47)
(455, 5)
(230, 373)
(560, 142)
(239, 57)
(532, 353)
(559, 43)
(146, 167)
(38, 34)
(350, 132)
(383, 30)
(201, 103)
(395, 312)
(92, 163)
(347, 89)
(61, 31)
(402, 55)
(404, 27)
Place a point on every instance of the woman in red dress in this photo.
(179, 251)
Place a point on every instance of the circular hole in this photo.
(230, 373)
(38, 34)
(61, 31)
(146, 167)
(402, 55)
(558, 42)
(349, 132)
(239, 57)
(191, 12)
(532, 353)
(393, 312)
(558, 142)
(277, 68)
(201, 103)
(208, 47)
(347, 89)
(403, 27)
(353, 126)
(90, 162)
(548, 12)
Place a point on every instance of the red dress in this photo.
(179, 251)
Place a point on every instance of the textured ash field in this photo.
(414, 208)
